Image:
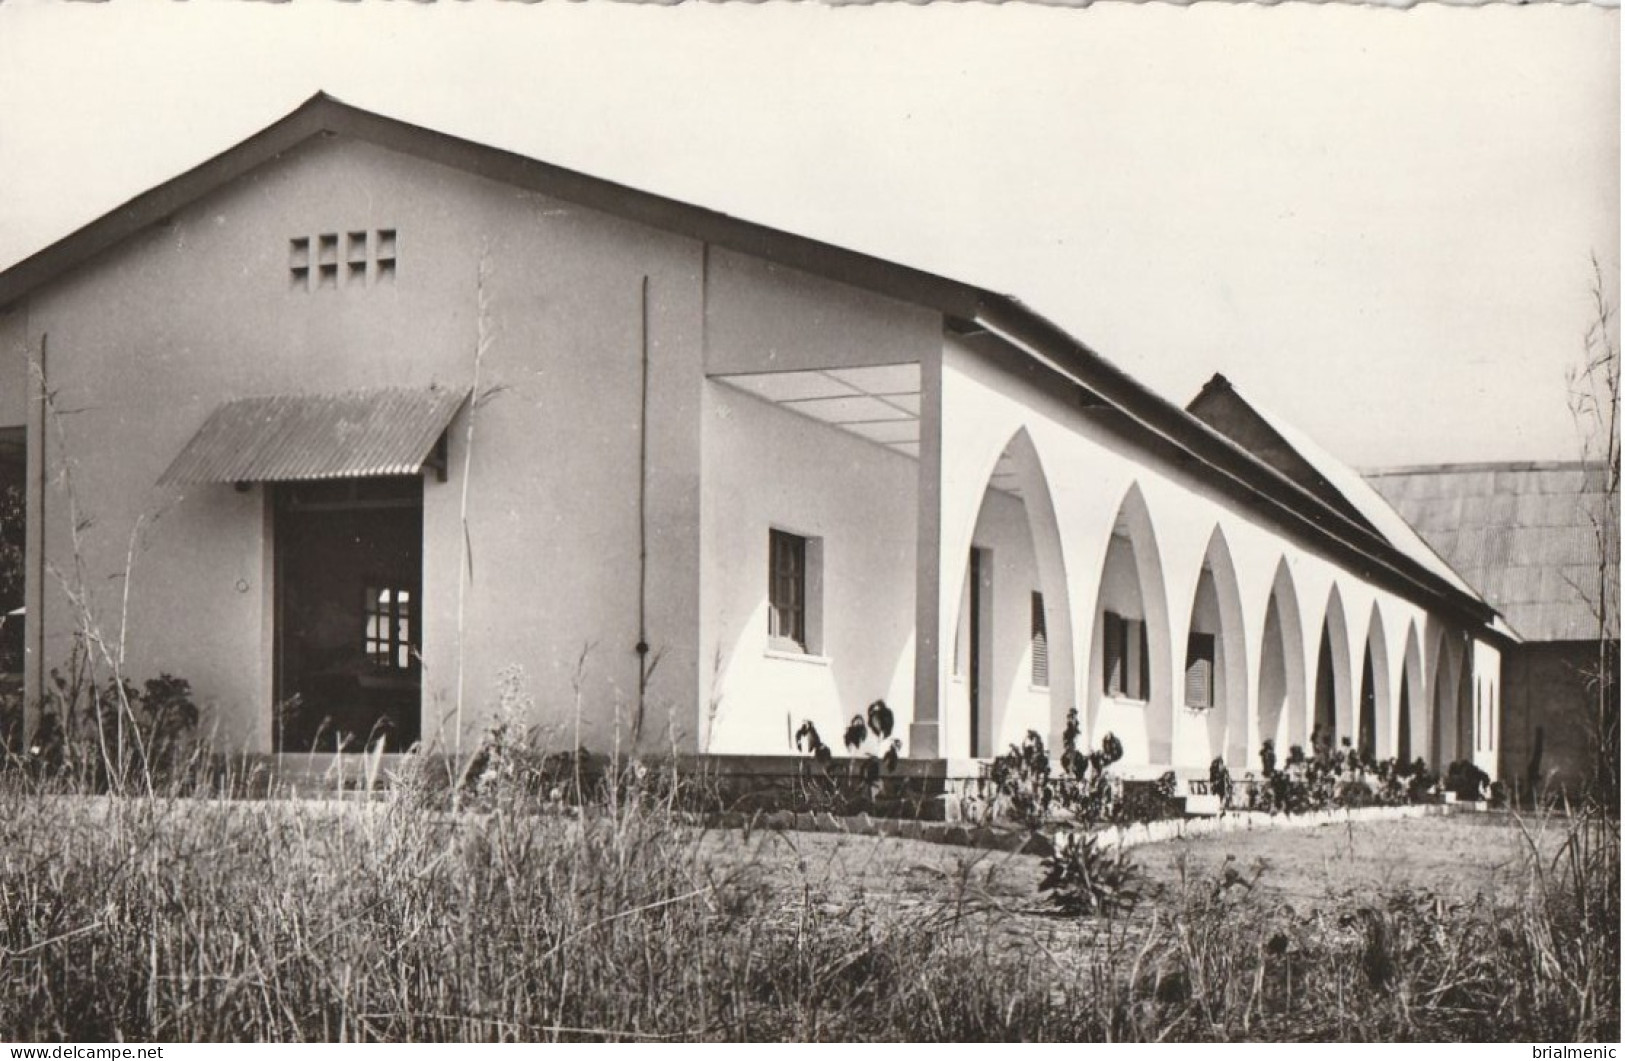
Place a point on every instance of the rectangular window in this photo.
(787, 591)
(1199, 650)
(389, 627)
(1126, 665)
(1040, 639)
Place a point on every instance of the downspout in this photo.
(642, 647)
(34, 548)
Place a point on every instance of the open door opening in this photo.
(977, 633)
(349, 563)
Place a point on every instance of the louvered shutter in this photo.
(1144, 692)
(1040, 644)
(1199, 670)
(1113, 655)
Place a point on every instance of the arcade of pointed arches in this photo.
(1191, 659)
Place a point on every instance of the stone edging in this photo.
(1011, 838)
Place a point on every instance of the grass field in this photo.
(211, 919)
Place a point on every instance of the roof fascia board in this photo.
(1240, 473)
(671, 215)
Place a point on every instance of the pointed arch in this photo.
(1213, 724)
(1442, 723)
(1281, 683)
(1376, 710)
(1333, 706)
(1466, 720)
(1013, 658)
(1131, 663)
(1409, 744)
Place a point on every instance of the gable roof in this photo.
(1299, 457)
(1134, 410)
(1221, 407)
(1525, 534)
(324, 115)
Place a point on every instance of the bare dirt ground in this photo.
(1456, 857)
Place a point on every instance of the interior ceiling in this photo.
(880, 403)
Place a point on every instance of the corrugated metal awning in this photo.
(391, 431)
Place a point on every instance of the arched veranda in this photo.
(1334, 714)
(1374, 732)
(1211, 722)
(1282, 686)
(1011, 667)
(1131, 664)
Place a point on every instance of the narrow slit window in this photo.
(355, 256)
(327, 260)
(385, 254)
(299, 263)
(1040, 640)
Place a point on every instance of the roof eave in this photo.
(1296, 505)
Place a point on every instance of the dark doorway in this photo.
(1325, 692)
(977, 559)
(1368, 707)
(1404, 718)
(349, 563)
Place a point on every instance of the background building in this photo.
(1540, 541)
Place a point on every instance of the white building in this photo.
(766, 480)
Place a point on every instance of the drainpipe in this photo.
(34, 549)
(642, 647)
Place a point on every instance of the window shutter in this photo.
(1144, 692)
(787, 588)
(1040, 643)
(1199, 670)
(1112, 657)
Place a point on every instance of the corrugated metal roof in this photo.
(1525, 537)
(284, 438)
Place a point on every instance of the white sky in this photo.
(1376, 222)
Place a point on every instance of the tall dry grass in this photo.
(208, 918)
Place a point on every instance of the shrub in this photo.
(1080, 876)
(1149, 801)
(114, 732)
(1083, 877)
(1338, 777)
(1219, 783)
(856, 782)
(1083, 792)
(1466, 780)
